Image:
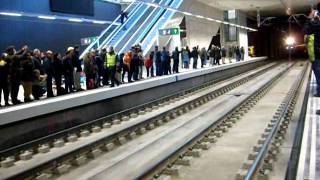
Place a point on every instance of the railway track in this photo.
(76, 148)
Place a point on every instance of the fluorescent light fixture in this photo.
(47, 17)
(99, 22)
(10, 14)
(187, 13)
(218, 21)
(75, 20)
(210, 19)
(199, 16)
(154, 5)
(171, 9)
(225, 23)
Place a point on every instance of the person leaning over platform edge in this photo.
(312, 26)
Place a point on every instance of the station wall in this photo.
(56, 35)
(201, 31)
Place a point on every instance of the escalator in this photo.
(144, 20)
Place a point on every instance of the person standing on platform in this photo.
(141, 64)
(127, 66)
(230, 54)
(156, 61)
(185, 58)
(48, 70)
(312, 28)
(99, 63)
(68, 70)
(223, 55)
(242, 52)
(203, 57)
(90, 69)
(165, 57)
(148, 64)
(217, 55)
(14, 60)
(211, 55)
(238, 54)
(58, 73)
(175, 56)
(112, 60)
(135, 64)
(27, 76)
(77, 69)
(4, 79)
(195, 56)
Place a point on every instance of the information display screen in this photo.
(81, 7)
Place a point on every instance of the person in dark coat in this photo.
(203, 57)
(100, 65)
(195, 56)
(223, 54)
(77, 69)
(238, 54)
(165, 57)
(217, 55)
(49, 71)
(58, 73)
(68, 70)
(135, 64)
(123, 16)
(14, 60)
(175, 56)
(156, 61)
(4, 79)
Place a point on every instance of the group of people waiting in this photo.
(38, 72)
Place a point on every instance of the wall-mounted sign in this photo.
(88, 40)
(169, 32)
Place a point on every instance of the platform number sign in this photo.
(88, 40)
(169, 32)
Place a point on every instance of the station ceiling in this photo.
(267, 7)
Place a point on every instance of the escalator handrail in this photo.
(115, 31)
(142, 24)
(106, 30)
(139, 39)
(135, 21)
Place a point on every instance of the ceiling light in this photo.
(187, 13)
(99, 22)
(47, 17)
(171, 9)
(154, 5)
(75, 20)
(10, 14)
(199, 16)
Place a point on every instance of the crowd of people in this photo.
(54, 74)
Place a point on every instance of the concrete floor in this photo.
(226, 157)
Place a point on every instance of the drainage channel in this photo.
(89, 141)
